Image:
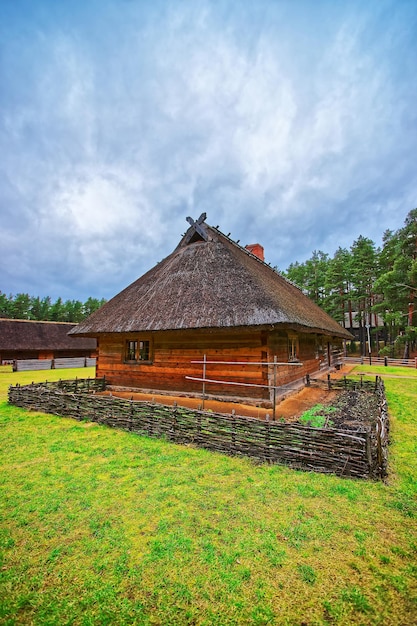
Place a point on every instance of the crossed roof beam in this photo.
(197, 226)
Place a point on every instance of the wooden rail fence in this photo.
(362, 454)
(377, 360)
(24, 365)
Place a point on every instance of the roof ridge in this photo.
(217, 285)
(254, 256)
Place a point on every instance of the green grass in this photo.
(318, 416)
(391, 371)
(99, 526)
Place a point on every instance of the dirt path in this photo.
(289, 409)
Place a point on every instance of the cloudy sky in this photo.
(289, 122)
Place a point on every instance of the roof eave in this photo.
(342, 334)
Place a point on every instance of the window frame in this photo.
(137, 346)
(293, 348)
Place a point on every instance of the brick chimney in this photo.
(257, 250)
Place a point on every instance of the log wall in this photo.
(173, 353)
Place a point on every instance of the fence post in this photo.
(204, 377)
(197, 437)
(379, 429)
(274, 398)
(329, 384)
(369, 451)
(233, 429)
(172, 435)
(267, 442)
(131, 413)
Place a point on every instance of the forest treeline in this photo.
(25, 307)
(365, 286)
(372, 287)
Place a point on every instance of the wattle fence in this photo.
(362, 454)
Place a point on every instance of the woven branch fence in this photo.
(345, 383)
(361, 455)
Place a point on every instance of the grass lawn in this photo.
(99, 526)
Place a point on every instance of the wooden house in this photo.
(212, 307)
(26, 339)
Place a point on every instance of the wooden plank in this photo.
(65, 363)
(25, 365)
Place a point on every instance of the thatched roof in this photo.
(31, 335)
(208, 282)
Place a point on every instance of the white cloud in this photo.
(277, 134)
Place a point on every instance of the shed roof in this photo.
(209, 282)
(31, 335)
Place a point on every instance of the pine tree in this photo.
(338, 286)
(364, 273)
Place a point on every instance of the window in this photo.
(144, 351)
(292, 348)
(132, 349)
(138, 350)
